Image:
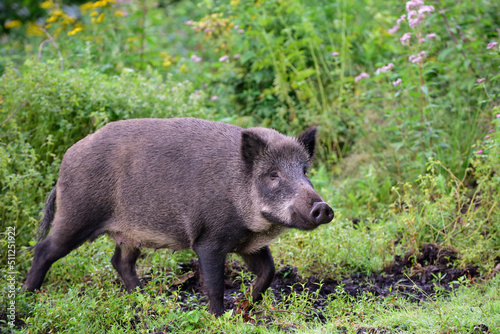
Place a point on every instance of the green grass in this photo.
(80, 295)
(416, 163)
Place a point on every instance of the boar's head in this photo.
(281, 189)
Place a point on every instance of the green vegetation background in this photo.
(416, 162)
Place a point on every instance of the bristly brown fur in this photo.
(181, 183)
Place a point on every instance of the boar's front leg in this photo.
(261, 264)
(212, 263)
(124, 262)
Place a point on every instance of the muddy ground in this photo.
(416, 277)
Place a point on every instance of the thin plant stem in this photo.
(53, 42)
(441, 12)
(489, 97)
(143, 30)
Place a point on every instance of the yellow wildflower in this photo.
(167, 61)
(235, 2)
(57, 32)
(132, 39)
(100, 3)
(184, 69)
(94, 13)
(56, 13)
(34, 29)
(47, 4)
(75, 31)
(12, 24)
(86, 6)
(100, 18)
(120, 13)
(68, 19)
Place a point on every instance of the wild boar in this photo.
(181, 183)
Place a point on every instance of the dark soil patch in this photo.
(6, 324)
(418, 277)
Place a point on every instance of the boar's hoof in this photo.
(321, 213)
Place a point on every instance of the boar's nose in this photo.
(321, 213)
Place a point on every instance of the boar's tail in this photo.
(48, 215)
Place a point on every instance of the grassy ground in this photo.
(408, 153)
(82, 294)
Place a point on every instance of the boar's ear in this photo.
(308, 139)
(251, 146)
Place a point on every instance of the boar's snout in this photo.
(321, 213)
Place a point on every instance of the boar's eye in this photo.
(305, 171)
(274, 175)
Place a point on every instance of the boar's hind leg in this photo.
(57, 245)
(124, 262)
(261, 264)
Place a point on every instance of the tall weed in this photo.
(44, 111)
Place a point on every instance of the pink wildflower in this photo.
(426, 9)
(431, 35)
(412, 14)
(214, 98)
(393, 29)
(417, 58)
(405, 38)
(497, 115)
(414, 59)
(479, 152)
(237, 56)
(397, 82)
(223, 58)
(384, 68)
(487, 137)
(415, 19)
(195, 58)
(414, 4)
(421, 40)
(361, 76)
(240, 31)
(189, 22)
(491, 45)
(335, 54)
(401, 19)
(480, 80)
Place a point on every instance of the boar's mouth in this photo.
(296, 221)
